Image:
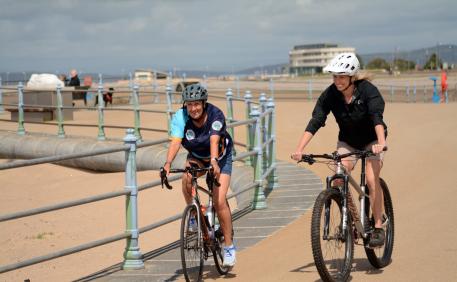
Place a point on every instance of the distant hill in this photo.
(270, 69)
(446, 52)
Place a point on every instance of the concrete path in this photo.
(298, 189)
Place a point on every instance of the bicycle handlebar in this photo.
(190, 169)
(311, 158)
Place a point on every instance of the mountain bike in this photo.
(205, 237)
(337, 223)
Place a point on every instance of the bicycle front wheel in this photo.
(333, 249)
(191, 244)
(381, 257)
(218, 253)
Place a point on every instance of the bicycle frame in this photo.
(207, 222)
(341, 173)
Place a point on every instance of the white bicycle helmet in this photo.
(344, 63)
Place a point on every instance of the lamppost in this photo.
(437, 55)
(452, 54)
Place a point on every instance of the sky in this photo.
(210, 35)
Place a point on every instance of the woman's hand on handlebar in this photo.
(167, 167)
(163, 173)
(378, 148)
(296, 156)
(216, 169)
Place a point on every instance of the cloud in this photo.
(102, 35)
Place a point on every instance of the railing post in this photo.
(2, 109)
(20, 109)
(169, 108)
(237, 86)
(101, 106)
(170, 83)
(155, 95)
(272, 88)
(229, 96)
(425, 93)
(407, 93)
(136, 110)
(391, 93)
(249, 131)
(130, 86)
(310, 90)
(60, 132)
(132, 253)
(273, 177)
(414, 92)
(205, 81)
(259, 196)
(263, 129)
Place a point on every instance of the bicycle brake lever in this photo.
(211, 173)
(307, 159)
(163, 178)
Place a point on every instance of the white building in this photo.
(148, 75)
(312, 58)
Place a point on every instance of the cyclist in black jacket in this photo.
(358, 109)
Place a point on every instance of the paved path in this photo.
(298, 189)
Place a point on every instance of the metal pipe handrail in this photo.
(89, 125)
(58, 158)
(62, 205)
(87, 108)
(240, 144)
(265, 113)
(244, 155)
(79, 202)
(241, 122)
(268, 171)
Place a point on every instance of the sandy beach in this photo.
(418, 168)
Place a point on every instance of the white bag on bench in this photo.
(44, 80)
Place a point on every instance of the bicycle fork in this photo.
(348, 205)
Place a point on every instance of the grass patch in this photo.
(40, 236)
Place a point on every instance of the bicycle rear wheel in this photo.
(381, 257)
(191, 245)
(333, 251)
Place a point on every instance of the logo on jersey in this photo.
(217, 125)
(190, 134)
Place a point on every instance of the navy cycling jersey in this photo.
(196, 140)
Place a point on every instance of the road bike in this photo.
(337, 223)
(205, 237)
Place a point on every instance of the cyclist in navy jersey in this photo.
(200, 128)
(358, 109)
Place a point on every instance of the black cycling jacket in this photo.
(357, 119)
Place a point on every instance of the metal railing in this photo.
(260, 154)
